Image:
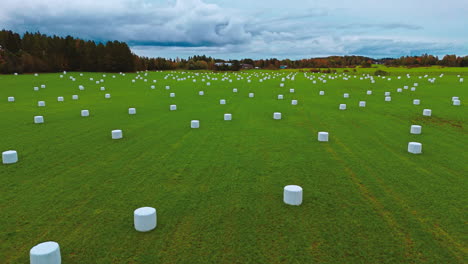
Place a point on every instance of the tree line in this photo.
(36, 52)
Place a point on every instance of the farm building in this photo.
(247, 66)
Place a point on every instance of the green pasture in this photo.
(218, 189)
(433, 71)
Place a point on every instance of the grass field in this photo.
(218, 189)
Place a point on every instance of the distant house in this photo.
(219, 64)
(247, 66)
(226, 66)
(283, 66)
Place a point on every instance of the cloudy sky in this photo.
(234, 29)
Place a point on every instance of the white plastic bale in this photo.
(416, 101)
(45, 253)
(75, 97)
(291, 90)
(173, 107)
(346, 95)
(322, 93)
(11, 99)
(172, 95)
(415, 147)
(415, 129)
(43, 86)
(117, 134)
(60, 99)
(107, 96)
(387, 93)
(222, 101)
(388, 98)
(201, 93)
(292, 195)
(455, 98)
(132, 111)
(413, 89)
(36, 88)
(293, 102)
(103, 88)
(362, 103)
(145, 219)
(195, 124)
(234, 90)
(323, 136)
(399, 90)
(9, 157)
(84, 113)
(227, 117)
(427, 112)
(251, 95)
(456, 102)
(277, 115)
(369, 92)
(342, 106)
(38, 119)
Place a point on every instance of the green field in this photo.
(218, 189)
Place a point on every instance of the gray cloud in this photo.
(188, 27)
(186, 22)
(387, 26)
